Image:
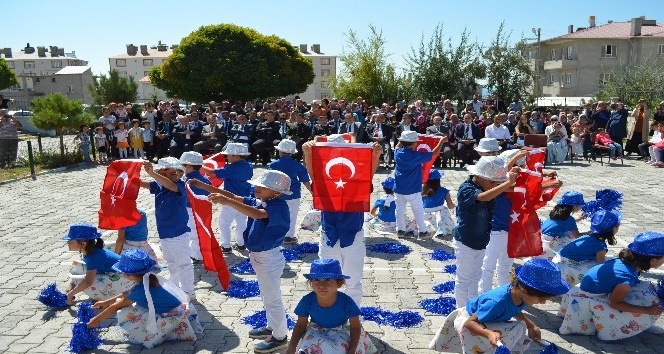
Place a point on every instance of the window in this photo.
(147, 62)
(120, 62)
(324, 84)
(661, 50)
(608, 51)
(568, 53)
(122, 73)
(324, 61)
(553, 54)
(37, 79)
(56, 64)
(146, 73)
(552, 79)
(325, 72)
(52, 79)
(29, 65)
(70, 89)
(11, 64)
(568, 78)
(605, 78)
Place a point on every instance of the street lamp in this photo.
(537, 32)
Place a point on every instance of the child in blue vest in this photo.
(611, 300)
(269, 220)
(383, 212)
(486, 321)
(298, 175)
(94, 276)
(170, 200)
(135, 237)
(236, 174)
(154, 310)
(560, 228)
(434, 196)
(192, 162)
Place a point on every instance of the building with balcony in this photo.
(579, 62)
(136, 62)
(325, 69)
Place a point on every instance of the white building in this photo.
(325, 69)
(136, 64)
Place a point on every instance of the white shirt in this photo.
(550, 130)
(500, 132)
(108, 122)
(656, 137)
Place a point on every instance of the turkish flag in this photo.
(214, 161)
(118, 195)
(427, 144)
(341, 177)
(524, 235)
(535, 159)
(213, 259)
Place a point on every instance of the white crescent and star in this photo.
(125, 179)
(521, 190)
(340, 161)
(423, 146)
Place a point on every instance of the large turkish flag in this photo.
(214, 161)
(118, 195)
(427, 144)
(524, 235)
(341, 177)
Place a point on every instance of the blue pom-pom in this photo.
(549, 348)
(450, 269)
(242, 289)
(502, 350)
(590, 208)
(441, 255)
(374, 314)
(308, 247)
(243, 267)
(609, 199)
(259, 319)
(84, 338)
(85, 312)
(401, 319)
(390, 248)
(291, 254)
(443, 288)
(440, 306)
(52, 297)
(659, 291)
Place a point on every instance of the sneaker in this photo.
(260, 333)
(290, 240)
(423, 234)
(226, 250)
(270, 345)
(240, 248)
(401, 233)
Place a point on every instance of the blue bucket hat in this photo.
(325, 269)
(81, 231)
(604, 220)
(134, 262)
(389, 183)
(435, 174)
(572, 198)
(543, 275)
(649, 244)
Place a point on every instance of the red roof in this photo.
(614, 30)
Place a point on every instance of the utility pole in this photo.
(536, 91)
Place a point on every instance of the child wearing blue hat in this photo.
(611, 300)
(94, 276)
(485, 322)
(585, 252)
(135, 237)
(434, 197)
(560, 228)
(383, 212)
(335, 318)
(154, 310)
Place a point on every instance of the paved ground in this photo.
(35, 213)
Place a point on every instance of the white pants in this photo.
(194, 245)
(468, 273)
(269, 266)
(415, 201)
(352, 262)
(227, 215)
(178, 262)
(496, 253)
(293, 207)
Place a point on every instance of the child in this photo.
(383, 212)
(84, 137)
(408, 180)
(475, 199)
(170, 201)
(95, 277)
(148, 143)
(560, 228)
(236, 175)
(267, 226)
(101, 142)
(298, 175)
(154, 310)
(436, 216)
(121, 113)
(121, 135)
(603, 138)
(484, 323)
(585, 252)
(335, 325)
(135, 237)
(136, 139)
(192, 162)
(611, 300)
(577, 140)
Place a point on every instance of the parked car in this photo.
(25, 118)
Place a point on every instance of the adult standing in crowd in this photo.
(638, 126)
(8, 138)
(150, 114)
(163, 134)
(267, 136)
(659, 114)
(617, 124)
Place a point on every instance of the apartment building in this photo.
(136, 62)
(325, 69)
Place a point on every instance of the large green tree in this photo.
(229, 61)
(368, 72)
(55, 111)
(507, 71)
(631, 83)
(7, 75)
(438, 67)
(113, 88)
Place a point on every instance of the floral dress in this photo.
(321, 340)
(573, 271)
(103, 287)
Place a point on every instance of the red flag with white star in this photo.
(118, 195)
(341, 177)
(427, 144)
(214, 161)
(524, 235)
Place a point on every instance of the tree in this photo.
(228, 61)
(631, 83)
(55, 111)
(439, 68)
(7, 75)
(508, 73)
(367, 72)
(113, 88)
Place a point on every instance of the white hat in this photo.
(508, 154)
(288, 146)
(236, 149)
(191, 158)
(168, 162)
(409, 136)
(491, 168)
(336, 138)
(274, 180)
(488, 145)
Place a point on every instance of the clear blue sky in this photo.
(97, 30)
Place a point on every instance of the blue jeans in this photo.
(615, 147)
(86, 152)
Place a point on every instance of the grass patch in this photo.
(16, 172)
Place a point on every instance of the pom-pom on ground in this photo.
(242, 289)
(441, 255)
(609, 199)
(308, 247)
(501, 349)
(243, 267)
(447, 287)
(84, 338)
(401, 319)
(291, 254)
(52, 297)
(450, 269)
(390, 248)
(659, 291)
(259, 319)
(549, 348)
(440, 306)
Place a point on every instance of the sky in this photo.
(97, 30)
